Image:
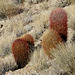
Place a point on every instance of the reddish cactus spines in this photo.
(57, 32)
(50, 40)
(28, 38)
(22, 48)
(58, 21)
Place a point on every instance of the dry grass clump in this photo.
(62, 3)
(39, 59)
(35, 1)
(71, 22)
(42, 18)
(71, 36)
(40, 23)
(8, 8)
(11, 29)
(43, 65)
(65, 57)
(19, 1)
(72, 1)
(14, 25)
(7, 63)
(71, 15)
(71, 8)
(5, 44)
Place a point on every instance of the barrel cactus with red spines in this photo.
(49, 40)
(21, 49)
(58, 22)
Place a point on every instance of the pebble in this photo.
(28, 27)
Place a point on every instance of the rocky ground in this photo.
(19, 17)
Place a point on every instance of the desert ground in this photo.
(21, 17)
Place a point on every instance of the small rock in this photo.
(28, 27)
